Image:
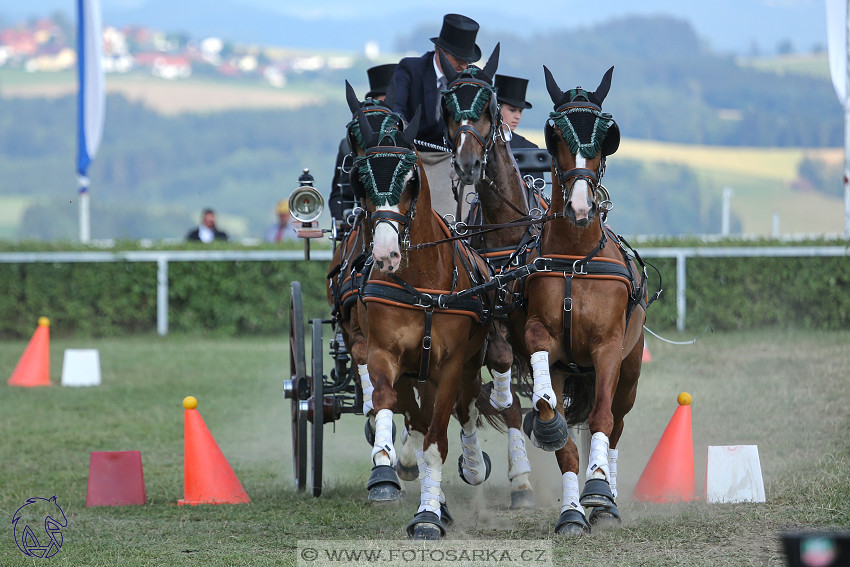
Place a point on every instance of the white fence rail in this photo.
(163, 258)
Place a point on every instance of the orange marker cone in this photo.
(646, 356)
(33, 367)
(207, 476)
(669, 474)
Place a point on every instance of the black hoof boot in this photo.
(571, 522)
(605, 518)
(487, 467)
(548, 435)
(522, 499)
(370, 433)
(383, 484)
(426, 526)
(597, 494)
(445, 515)
(405, 472)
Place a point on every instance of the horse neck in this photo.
(501, 177)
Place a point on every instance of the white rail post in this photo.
(681, 286)
(162, 295)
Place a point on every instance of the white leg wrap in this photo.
(366, 384)
(500, 395)
(430, 477)
(612, 467)
(542, 381)
(383, 453)
(597, 462)
(517, 456)
(474, 468)
(569, 481)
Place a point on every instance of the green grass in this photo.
(782, 391)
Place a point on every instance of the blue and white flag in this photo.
(90, 76)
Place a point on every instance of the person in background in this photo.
(207, 231)
(282, 230)
(342, 197)
(418, 83)
(510, 93)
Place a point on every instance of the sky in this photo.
(728, 25)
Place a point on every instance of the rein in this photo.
(468, 232)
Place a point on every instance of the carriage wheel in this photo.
(318, 407)
(298, 370)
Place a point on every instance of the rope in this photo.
(690, 342)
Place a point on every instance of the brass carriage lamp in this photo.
(305, 206)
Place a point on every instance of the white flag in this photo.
(836, 34)
(90, 76)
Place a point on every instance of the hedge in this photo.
(252, 298)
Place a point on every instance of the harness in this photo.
(591, 267)
(399, 293)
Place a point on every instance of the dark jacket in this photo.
(518, 142)
(342, 195)
(193, 235)
(416, 85)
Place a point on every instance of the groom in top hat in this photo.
(510, 93)
(418, 82)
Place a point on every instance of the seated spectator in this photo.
(282, 229)
(207, 231)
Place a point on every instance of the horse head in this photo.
(579, 136)
(471, 114)
(378, 113)
(386, 175)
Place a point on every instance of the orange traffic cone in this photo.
(669, 474)
(207, 476)
(646, 356)
(33, 367)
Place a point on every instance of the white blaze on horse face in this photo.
(462, 139)
(385, 248)
(578, 198)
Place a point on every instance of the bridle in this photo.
(485, 97)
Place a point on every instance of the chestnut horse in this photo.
(481, 157)
(416, 326)
(586, 307)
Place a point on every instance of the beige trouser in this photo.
(440, 174)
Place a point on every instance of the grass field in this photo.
(784, 392)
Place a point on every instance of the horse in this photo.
(418, 327)
(586, 306)
(481, 157)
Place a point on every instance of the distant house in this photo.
(52, 60)
(19, 42)
(171, 67)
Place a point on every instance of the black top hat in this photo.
(458, 37)
(380, 78)
(511, 90)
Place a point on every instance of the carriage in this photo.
(337, 388)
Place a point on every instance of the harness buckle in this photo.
(426, 343)
(568, 304)
(579, 268)
(540, 265)
(461, 228)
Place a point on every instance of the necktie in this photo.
(443, 85)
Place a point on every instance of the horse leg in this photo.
(473, 464)
(623, 401)
(427, 523)
(499, 360)
(407, 465)
(597, 488)
(383, 484)
(548, 426)
(519, 467)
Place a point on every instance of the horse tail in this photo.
(579, 394)
(486, 410)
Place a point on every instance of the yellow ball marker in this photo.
(684, 399)
(190, 402)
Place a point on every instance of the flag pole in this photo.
(90, 101)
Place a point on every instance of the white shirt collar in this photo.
(440, 74)
(206, 234)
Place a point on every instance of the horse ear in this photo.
(366, 132)
(492, 63)
(555, 92)
(412, 129)
(353, 101)
(448, 70)
(604, 86)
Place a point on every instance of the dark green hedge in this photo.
(245, 298)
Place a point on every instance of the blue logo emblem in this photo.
(38, 527)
